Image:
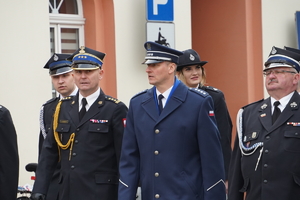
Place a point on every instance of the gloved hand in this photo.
(37, 196)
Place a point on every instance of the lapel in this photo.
(287, 113)
(93, 110)
(174, 101)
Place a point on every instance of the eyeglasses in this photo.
(276, 72)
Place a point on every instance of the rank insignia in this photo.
(245, 138)
(73, 102)
(263, 115)
(100, 102)
(254, 135)
(293, 105)
(264, 106)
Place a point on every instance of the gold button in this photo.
(156, 152)
(157, 196)
(156, 174)
(156, 131)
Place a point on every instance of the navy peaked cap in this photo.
(189, 57)
(282, 58)
(58, 64)
(158, 53)
(86, 59)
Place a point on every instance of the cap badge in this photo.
(293, 105)
(274, 51)
(55, 58)
(264, 106)
(192, 58)
(148, 46)
(82, 50)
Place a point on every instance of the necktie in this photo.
(83, 110)
(160, 105)
(276, 112)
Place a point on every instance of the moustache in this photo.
(273, 80)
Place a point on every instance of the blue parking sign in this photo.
(160, 10)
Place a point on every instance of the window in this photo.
(66, 27)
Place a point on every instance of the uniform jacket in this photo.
(9, 157)
(273, 170)
(223, 122)
(176, 155)
(48, 111)
(89, 170)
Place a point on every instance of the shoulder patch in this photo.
(253, 103)
(109, 98)
(199, 91)
(50, 100)
(142, 92)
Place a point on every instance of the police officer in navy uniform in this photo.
(265, 161)
(9, 156)
(171, 143)
(86, 138)
(190, 71)
(62, 78)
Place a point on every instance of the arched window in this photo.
(66, 26)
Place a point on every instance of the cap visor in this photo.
(152, 61)
(276, 65)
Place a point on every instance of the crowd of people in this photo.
(173, 142)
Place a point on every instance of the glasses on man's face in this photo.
(276, 72)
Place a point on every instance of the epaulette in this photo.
(142, 92)
(212, 88)
(112, 99)
(66, 98)
(255, 102)
(50, 100)
(199, 91)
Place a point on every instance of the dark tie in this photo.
(83, 110)
(160, 105)
(276, 111)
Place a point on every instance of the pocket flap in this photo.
(63, 128)
(250, 136)
(98, 128)
(294, 134)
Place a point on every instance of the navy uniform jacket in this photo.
(48, 111)
(273, 170)
(89, 169)
(9, 157)
(176, 155)
(223, 122)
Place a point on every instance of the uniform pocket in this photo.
(98, 128)
(292, 140)
(103, 178)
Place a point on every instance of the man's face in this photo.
(87, 81)
(159, 73)
(282, 80)
(64, 83)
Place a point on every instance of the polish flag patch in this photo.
(124, 122)
(211, 113)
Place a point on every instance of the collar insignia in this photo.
(264, 106)
(293, 105)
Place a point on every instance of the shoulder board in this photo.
(50, 100)
(199, 91)
(253, 103)
(212, 88)
(66, 98)
(109, 98)
(142, 92)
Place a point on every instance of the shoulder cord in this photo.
(243, 148)
(42, 126)
(56, 136)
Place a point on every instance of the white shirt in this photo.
(283, 101)
(165, 94)
(90, 99)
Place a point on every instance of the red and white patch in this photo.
(124, 122)
(211, 113)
